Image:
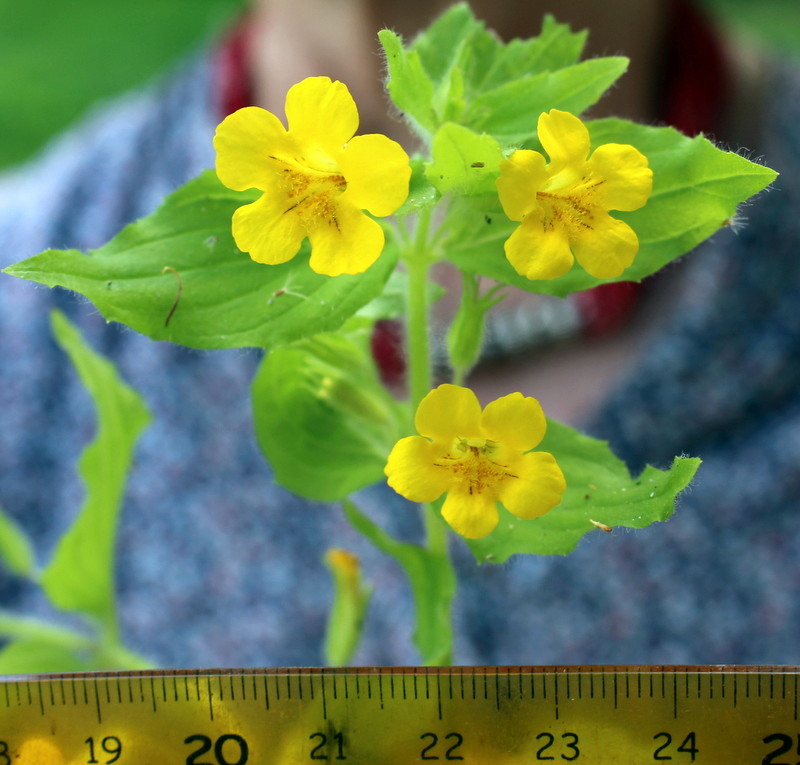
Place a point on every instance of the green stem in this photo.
(418, 260)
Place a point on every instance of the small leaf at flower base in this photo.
(323, 420)
(464, 161)
(696, 189)
(177, 275)
(600, 490)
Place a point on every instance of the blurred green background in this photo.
(58, 56)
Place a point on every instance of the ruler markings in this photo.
(555, 693)
(699, 695)
(674, 696)
(97, 702)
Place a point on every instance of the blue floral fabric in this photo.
(218, 566)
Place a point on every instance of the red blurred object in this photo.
(233, 85)
(388, 350)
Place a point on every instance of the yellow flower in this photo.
(478, 458)
(316, 178)
(563, 206)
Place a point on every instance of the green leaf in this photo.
(457, 71)
(16, 550)
(80, 577)
(29, 629)
(495, 63)
(696, 190)
(464, 161)
(32, 656)
(408, 84)
(511, 111)
(433, 586)
(177, 275)
(322, 417)
(599, 489)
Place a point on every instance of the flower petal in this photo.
(471, 515)
(447, 412)
(377, 172)
(521, 176)
(410, 470)
(243, 142)
(565, 139)
(607, 248)
(536, 253)
(627, 180)
(265, 231)
(538, 487)
(515, 421)
(347, 243)
(321, 113)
